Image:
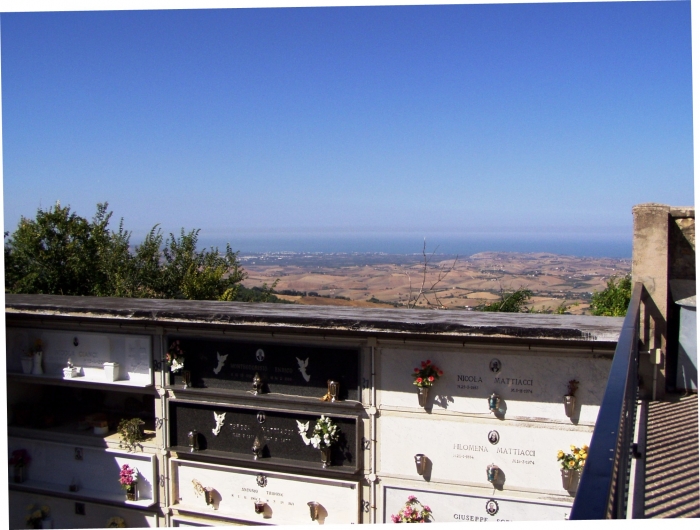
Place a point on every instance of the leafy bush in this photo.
(60, 252)
(510, 302)
(614, 299)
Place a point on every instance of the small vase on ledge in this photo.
(423, 392)
(567, 478)
(27, 364)
(36, 363)
(326, 456)
(131, 492)
(569, 405)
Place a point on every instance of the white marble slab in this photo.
(132, 352)
(460, 451)
(62, 513)
(456, 508)
(286, 496)
(54, 466)
(531, 385)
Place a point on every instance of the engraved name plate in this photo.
(279, 434)
(285, 497)
(457, 508)
(287, 369)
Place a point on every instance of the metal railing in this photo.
(602, 491)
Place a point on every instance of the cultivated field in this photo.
(366, 280)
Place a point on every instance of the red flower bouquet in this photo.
(427, 374)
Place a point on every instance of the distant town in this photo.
(559, 283)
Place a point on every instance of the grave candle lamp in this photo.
(193, 440)
(259, 507)
(421, 462)
(257, 384)
(494, 402)
(257, 449)
(492, 472)
(333, 390)
(186, 379)
(313, 509)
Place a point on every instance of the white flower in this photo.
(176, 366)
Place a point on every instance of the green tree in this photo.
(510, 302)
(60, 252)
(614, 299)
(56, 253)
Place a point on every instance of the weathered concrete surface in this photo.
(663, 250)
(344, 320)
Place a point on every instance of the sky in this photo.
(484, 121)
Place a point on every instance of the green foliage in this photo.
(614, 299)
(261, 294)
(60, 252)
(131, 433)
(510, 302)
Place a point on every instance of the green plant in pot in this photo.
(131, 433)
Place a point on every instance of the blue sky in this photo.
(549, 119)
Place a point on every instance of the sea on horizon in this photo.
(612, 247)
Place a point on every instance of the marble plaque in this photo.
(286, 369)
(88, 351)
(530, 385)
(460, 451)
(456, 508)
(283, 498)
(54, 466)
(232, 431)
(62, 513)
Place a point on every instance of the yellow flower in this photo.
(585, 448)
(583, 457)
(574, 448)
(560, 454)
(36, 514)
(45, 510)
(571, 464)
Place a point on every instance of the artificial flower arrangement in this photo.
(116, 522)
(36, 515)
(427, 374)
(20, 458)
(128, 477)
(175, 358)
(325, 433)
(574, 460)
(413, 512)
(572, 387)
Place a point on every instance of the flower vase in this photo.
(27, 364)
(423, 392)
(19, 474)
(36, 363)
(567, 478)
(131, 492)
(569, 405)
(326, 456)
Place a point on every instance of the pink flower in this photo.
(411, 498)
(395, 518)
(431, 379)
(418, 380)
(440, 372)
(416, 370)
(427, 362)
(422, 364)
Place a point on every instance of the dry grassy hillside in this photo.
(554, 279)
